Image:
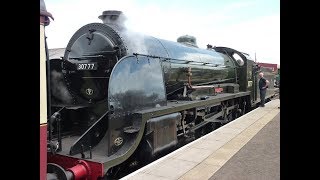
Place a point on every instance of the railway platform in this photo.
(246, 148)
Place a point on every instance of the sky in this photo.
(250, 26)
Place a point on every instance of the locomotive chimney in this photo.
(113, 17)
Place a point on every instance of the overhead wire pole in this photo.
(255, 57)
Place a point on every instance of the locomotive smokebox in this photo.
(113, 17)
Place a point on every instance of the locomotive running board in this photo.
(183, 105)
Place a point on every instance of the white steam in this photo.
(136, 42)
(58, 87)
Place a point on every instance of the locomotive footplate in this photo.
(183, 105)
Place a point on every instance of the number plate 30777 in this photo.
(87, 66)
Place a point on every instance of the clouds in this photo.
(260, 35)
(247, 26)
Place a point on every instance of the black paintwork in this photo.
(93, 43)
(136, 83)
(91, 137)
(161, 133)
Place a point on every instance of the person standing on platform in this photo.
(263, 85)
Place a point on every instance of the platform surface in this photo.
(246, 148)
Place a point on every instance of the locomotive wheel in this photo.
(236, 113)
(200, 132)
(227, 119)
(215, 125)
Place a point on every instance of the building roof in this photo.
(272, 66)
(56, 53)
